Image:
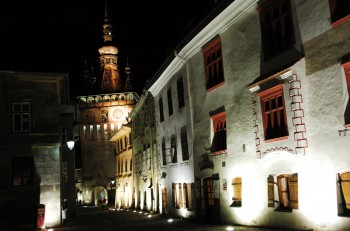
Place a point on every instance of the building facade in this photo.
(268, 111)
(145, 155)
(123, 186)
(32, 147)
(174, 126)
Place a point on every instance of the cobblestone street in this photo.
(96, 218)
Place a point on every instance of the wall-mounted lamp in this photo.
(71, 142)
(342, 132)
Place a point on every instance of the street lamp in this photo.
(71, 142)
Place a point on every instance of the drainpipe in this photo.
(189, 95)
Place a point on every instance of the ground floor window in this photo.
(183, 195)
(237, 192)
(22, 169)
(164, 198)
(283, 192)
(344, 190)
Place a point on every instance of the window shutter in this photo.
(180, 205)
(164, 198)
(293, 191)
(270, 192)
(174, 195)
(283, 193)
(185, 199)
(345, 186)
(191, 195)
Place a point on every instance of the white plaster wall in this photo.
(313, 17)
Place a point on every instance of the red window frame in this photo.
(340, 11)
(346, 67)
(277, 28)
(219, 124)
(276, 110)
(213, 63)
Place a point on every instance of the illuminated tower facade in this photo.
(111, 81)
(100, 115)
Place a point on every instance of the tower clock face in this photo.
(117, 113)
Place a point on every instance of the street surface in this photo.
(98, 219)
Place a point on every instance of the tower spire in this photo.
(110, 80)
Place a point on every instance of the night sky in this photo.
(59, 35)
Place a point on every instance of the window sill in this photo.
(219, 152)
(340, 21)
(276, 139)
(347, 125)
(216, 86)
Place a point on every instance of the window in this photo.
(104, 116)
(21, 117)
(180, 93)
(344, 186)
(182, 195)
(22, 171)
(170, 102)
(175, 198)
(274, 114)
(92, 132)
(184, 145)
(214, 72)
(164, 152)
(237, 192)
(219, 140)
(130, 165)
(276, 27)
(161, 112)
(149, 164)
(286, 195)
(188, 198)
(173, 149)
(164, 198)
(346, 67)
(340, 11)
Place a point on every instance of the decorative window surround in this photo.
(219, 144)
(346, 67)
(296, 110)
(298, 115)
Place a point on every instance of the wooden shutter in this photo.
(237, 188)
(191, 195)
(271, 191)
(293, 191)
(164, 198)
(283, 193)
(185, 199)
(345, 187)
(174, 195)
(179, 205)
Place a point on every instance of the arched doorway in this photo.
(101, 196)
